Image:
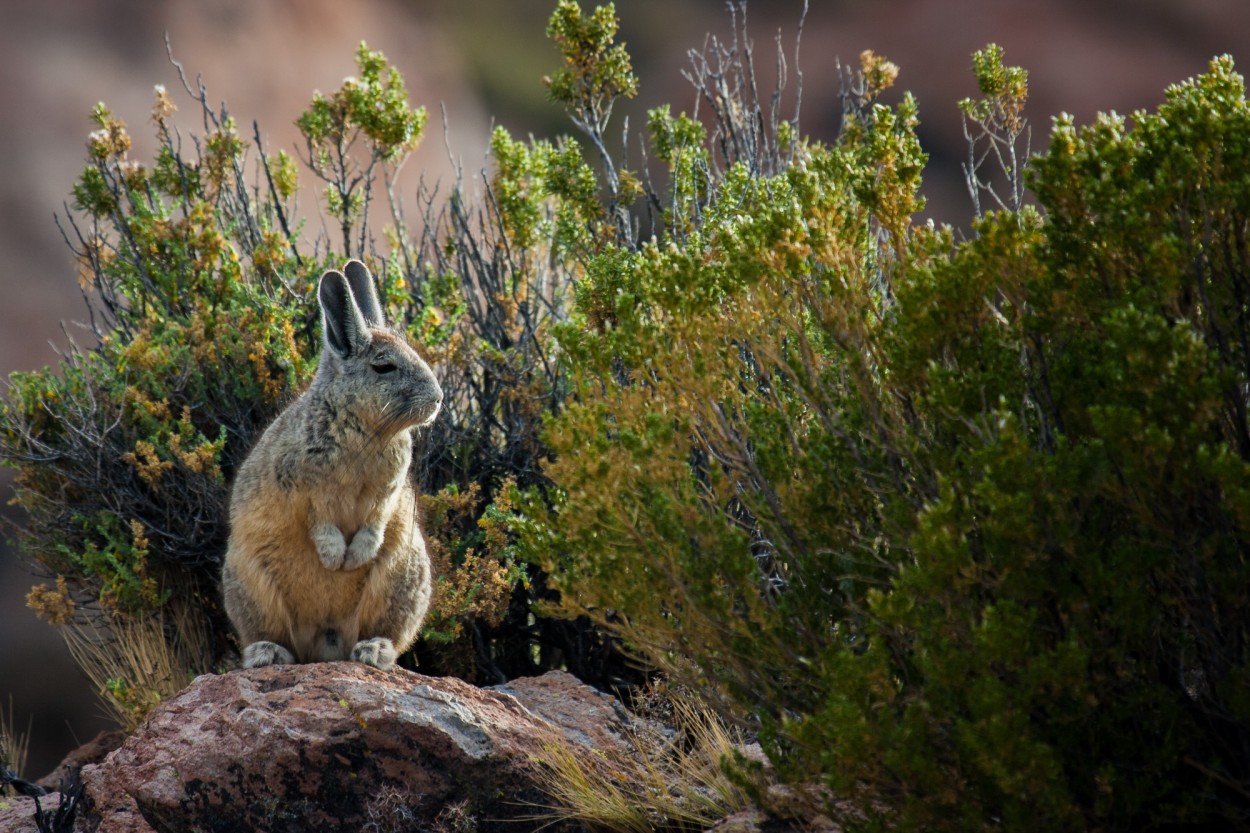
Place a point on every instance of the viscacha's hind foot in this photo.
(379, 652)
(260, 654)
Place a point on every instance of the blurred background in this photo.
(479, 62)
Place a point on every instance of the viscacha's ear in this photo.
(343, 325)
(365, 292)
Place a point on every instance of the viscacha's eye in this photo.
(383, 367)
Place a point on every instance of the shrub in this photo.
(123, 453)
(200, 292)
(960, 526)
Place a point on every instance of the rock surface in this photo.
(17, 814)
(339, 746)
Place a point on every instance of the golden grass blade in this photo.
(136, 662)
(675, 782)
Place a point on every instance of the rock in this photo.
(340, 746)
(102, 806)
(17, 815)
(743, 821)
(584, 715)
(59, 812)
(105, 808)
(808, 807)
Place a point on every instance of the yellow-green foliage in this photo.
(475, 563)
(371, 110)
(134, 662)
(963, 525)
(128, 440)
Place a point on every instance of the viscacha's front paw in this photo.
(330, 545)
(363, 548)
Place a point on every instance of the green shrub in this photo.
(200, 290)
(125, 450)
(962, 526)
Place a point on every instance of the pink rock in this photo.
(17, 815)
(339, 746)
(106, 808)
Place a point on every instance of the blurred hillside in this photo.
(481, 60)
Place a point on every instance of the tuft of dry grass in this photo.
(667, 782)
(135, 662)
(14, 746)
